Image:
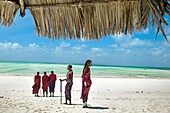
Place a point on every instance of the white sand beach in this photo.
(107, 95)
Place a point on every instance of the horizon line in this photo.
(109, 65)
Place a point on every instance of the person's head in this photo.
(69, 67)
(88, 63)
(52, 72)
(38, 73)
(45, 73)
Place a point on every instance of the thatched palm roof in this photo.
(88, 19)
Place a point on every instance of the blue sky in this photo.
(21, 43)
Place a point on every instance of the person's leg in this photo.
(65, 100)
(70, 95)
(70, 102)
(50, 92)
(53, 93)
(50, 88)
(38, 95)
(86, 97)
(43, 93)
(53, 87)
(84, 101)
(46, 93)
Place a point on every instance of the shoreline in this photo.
(79, 76)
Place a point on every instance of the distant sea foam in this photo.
(30, 68)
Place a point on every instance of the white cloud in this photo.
(128, 41)
(129, 51)
(64, 44)
(120, 49)
(138, 42)
(9, 45)
(114, 45)
(157, 51)
(117, 47)
(33, 45)
(16, 45)
(121, 37)
(83, 45)
(57, 48)
(76, 48)
(79, 47)
(96, 50)
(124, 42)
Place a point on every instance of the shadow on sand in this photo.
(76, 104)
(97, 107)
(47, 96)
(72, 104)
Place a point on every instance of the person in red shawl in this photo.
(86, 82)
(45, 80)
(36, 86)
(52, 80)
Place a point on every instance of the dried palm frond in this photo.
(89, 19)
(8, 11)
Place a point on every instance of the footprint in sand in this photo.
(107, 98)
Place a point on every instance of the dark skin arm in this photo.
(69, 77)
(62, 79)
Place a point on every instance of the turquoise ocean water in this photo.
(27, 68)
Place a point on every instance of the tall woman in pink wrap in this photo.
(86, 82)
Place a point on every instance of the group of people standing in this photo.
(49, 81)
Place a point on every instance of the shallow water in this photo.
(26, 68)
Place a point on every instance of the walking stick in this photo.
(60, 91)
